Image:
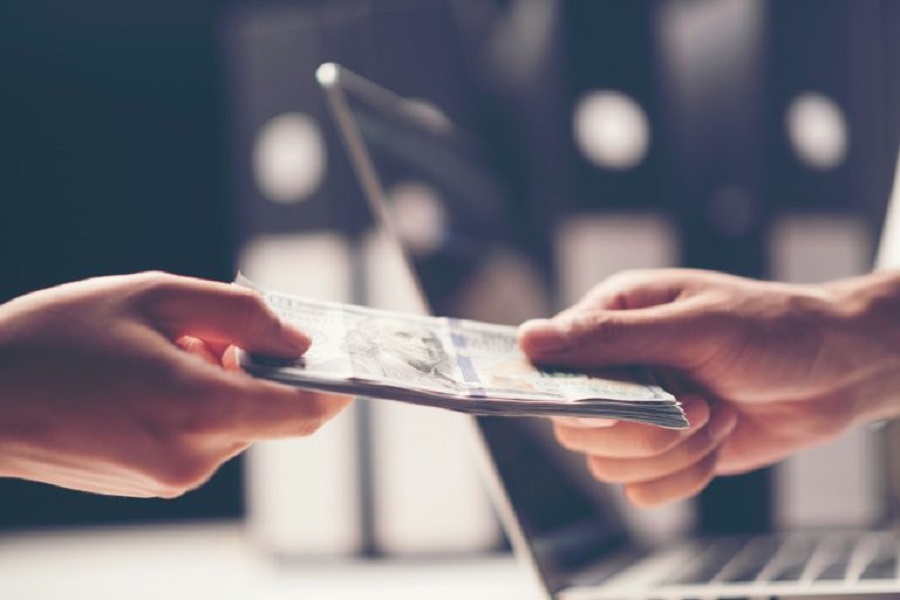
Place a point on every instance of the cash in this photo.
(456, 364)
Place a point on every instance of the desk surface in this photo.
(216, 562)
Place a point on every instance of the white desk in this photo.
(216, 562)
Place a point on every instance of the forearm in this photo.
(13, 425)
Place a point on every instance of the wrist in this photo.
(869, 333)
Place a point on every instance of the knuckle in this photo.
(681, 486)
(699, 476)
(155, 291)
(599, 327)
(150, 278)
(158, 283)
(250, 309)
(655, 442)
(250, 301)
(695, 448)
(182, 474)
(621, 280)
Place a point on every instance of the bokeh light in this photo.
(817, 130)
(611, 129)
(289, 158)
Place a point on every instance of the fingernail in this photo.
(543, 335)
(722, 424)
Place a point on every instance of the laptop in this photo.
(567, 528)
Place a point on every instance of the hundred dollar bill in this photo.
(457, 364)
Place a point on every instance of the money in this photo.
(456, 364)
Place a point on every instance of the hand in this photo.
(118, 385)
(767, 369)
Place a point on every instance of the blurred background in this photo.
(752, 136)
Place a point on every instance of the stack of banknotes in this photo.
(456, 364)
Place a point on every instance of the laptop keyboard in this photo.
(800, 558)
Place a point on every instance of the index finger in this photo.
(628, 290)
(273, 411)
(633, 440)
(260, 410)
(586, 422)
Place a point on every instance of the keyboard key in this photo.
(791, 561)
(710, 562)
(836, 571)
(837, 559)
(884, 568)
(751, 561)
(883, 565)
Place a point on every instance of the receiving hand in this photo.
(765, 369)
(127, 385)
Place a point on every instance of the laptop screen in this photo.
(889, 246)
(447, 210)
(393, 142)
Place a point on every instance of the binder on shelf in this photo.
(302, 495)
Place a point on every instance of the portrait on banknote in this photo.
(400, 350)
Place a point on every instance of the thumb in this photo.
(221, 314)
(677, 334)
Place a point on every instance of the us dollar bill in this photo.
(457, 364)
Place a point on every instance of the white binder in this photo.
(302, 495)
